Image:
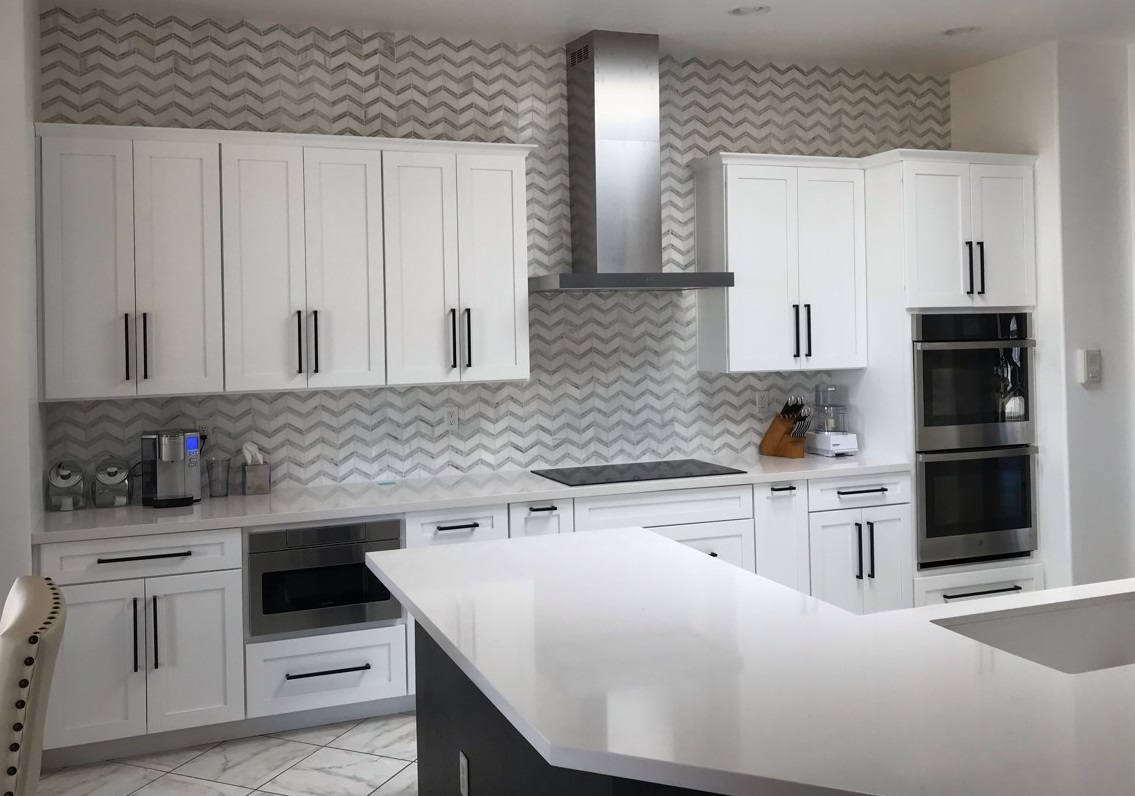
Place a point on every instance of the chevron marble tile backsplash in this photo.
(614, 376)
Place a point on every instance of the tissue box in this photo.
(256, 479)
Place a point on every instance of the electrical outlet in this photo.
(762, 401)
(463, 772)
(451, 418)
(205, 429)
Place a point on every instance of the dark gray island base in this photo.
(455, 716)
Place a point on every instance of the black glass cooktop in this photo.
(640, 471)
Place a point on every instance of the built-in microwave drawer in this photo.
(672, 507)
(140, 556)
(426, 528)
(832, 494)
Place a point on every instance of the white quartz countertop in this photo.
(350, 502)
(627, 654)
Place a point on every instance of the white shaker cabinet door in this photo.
(781, 516)
(888, 553)
(177, 234)
(837, 554)
(493, 255)
(762, 244)
(833, 268)
(88, 268)
(937, 217)
(99, 689)
(346, 344)
(1004, 229)
(422, 302)
(265, 274)
(195, 650)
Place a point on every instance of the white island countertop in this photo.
(626, 654)
(358, 501)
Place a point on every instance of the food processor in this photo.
(830, 436)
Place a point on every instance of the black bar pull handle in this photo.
(453, 331)
(126, 337)
(969, 248)
(808, 321)
(469, 526)
(782, 489)
(981, 260)
(299, 341)
(135, 603)
(364, 668)
(986, 593)
(145, 345)
(157, 663)
(315, 342)
(796, 325)
(536, 509)
(468, 337)
(879, 490)
(154, 557)
(859, 547)
(871, 541)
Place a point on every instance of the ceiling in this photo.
(894, 34)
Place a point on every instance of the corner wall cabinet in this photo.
(317, 230)
(968, 226)
(793, 233)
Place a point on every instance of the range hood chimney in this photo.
(615, 170)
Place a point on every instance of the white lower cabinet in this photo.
(148, 655)
(324, 671)
(780, 514)
(974, 585)
(731, 541)
(541, 518)
(861, 559)
(454, 526)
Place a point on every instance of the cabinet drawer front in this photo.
(858, 492)
(140, 557)
(730, 541)
(541, 518)
(677, 507)
(964, 586)
(323, 671)
(453, 527)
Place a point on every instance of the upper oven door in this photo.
(316, 587)
(973, 394)
(976, 504)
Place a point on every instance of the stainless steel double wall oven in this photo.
(974, 409)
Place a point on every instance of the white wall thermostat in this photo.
(1089, 365)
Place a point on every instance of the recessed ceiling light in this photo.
(962, 31)
(749, 11)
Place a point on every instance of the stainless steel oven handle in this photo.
(996, 453)
(975, 345)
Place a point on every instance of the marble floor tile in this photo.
(177, 785)
(335, 772)
(100, 779)
(320, 736)
(248, 762)
(389, 736)
(404, 783)
(167, 761)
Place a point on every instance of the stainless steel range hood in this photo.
(615, 170)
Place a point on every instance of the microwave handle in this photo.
(977, 345)
(997, 453)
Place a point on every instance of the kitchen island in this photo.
(619, 662)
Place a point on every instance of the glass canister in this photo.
(64, 487)
(830, 408)
(110, 488)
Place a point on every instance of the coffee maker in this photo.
(171, 468)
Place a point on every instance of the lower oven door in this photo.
(976, 504)
(316, 587)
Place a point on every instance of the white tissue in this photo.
(252, 454)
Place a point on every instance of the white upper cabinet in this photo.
(970, 231)
(346, 322)
(265, 276)
(88, 269)
(793, 235)
(177, 260)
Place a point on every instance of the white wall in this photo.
(20, 429)
(1010, 105)
(1068, 102)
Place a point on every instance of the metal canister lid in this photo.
(112, 472)
(65, 475)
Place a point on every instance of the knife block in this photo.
(779, 442)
